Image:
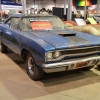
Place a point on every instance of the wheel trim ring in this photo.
(31, 65)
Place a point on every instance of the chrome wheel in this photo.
(33, 70)
(31, 65)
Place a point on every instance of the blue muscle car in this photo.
(46, 45)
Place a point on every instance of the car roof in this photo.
(29, 15)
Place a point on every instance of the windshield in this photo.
(42, 23)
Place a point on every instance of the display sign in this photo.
(92, 21)
(80, 21)
(9, 4)
(41, 25)
(97, 18)
(82, 2)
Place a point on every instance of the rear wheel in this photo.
(3, 48)
(35, 72)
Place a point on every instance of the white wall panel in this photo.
(48, 4)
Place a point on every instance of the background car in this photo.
(91, 29)
(46, 45)
(70, 23)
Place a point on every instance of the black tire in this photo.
(35, 72)
(3, 48)
(98, 67)
(87, 68)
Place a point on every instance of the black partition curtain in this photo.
(60, 12)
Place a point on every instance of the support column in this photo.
(0, 12)
(24, 6)
(55, 2)
(98, 4)
(85, 9)
(69, 13)
(64, 7)
(34, 4)
(16, 1)
(38, 4)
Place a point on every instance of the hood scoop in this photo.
(68, 34)
(64, 33)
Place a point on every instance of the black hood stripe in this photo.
(75, 40)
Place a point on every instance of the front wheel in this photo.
(98, 67)
(87, 68)
(3, 48)
(35, 72)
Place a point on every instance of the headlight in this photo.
(57, 54)
(49, 56)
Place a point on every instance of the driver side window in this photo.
(15, 23)
(8, 23)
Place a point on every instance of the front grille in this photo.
(77, 53)
(86, 50)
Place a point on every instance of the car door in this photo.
(10, 32)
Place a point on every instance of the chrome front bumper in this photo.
(69, 64)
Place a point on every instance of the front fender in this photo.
(38, 56)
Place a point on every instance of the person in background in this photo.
(3, 13)
(44, 11)
(73, 16)
(50, 12)
(79, 15)
(35, 11)
(38, 11)
(87, 14)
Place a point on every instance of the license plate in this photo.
(81, 64)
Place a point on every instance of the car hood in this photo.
(68, 39)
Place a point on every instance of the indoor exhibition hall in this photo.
(49, 49)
